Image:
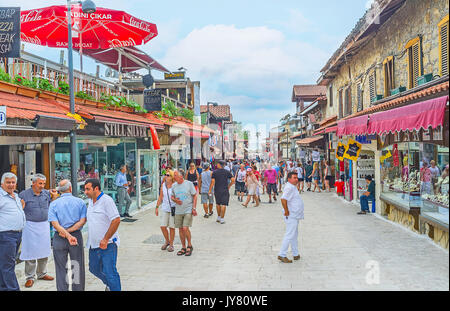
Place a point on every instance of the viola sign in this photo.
(9, 32)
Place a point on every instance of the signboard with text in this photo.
(152, 100)
(174, 76)
(353, 149)
(9, 32)
(2, 116)
(340, 150)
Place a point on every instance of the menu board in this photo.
(152, 100)
(9, 32)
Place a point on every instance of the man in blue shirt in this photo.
(367, 196)
(122, 190)
(12, 221)
(68, 216)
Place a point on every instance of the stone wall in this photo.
(413, 18)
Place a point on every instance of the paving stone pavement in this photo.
(340, 251)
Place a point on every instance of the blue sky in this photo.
(247, 54)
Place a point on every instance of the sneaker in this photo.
(218, 219)
(297, 257)
(206, 216)
(284, 259)
(222, 221)
(210, 214)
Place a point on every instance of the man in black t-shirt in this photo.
(219, 181)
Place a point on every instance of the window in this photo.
(341, 108)
(388, 68)
(414, 61)
(359, 96)
(348, 101)
(443, 47)
(330, 96)
(372, 86)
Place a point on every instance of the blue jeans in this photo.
(102, 264)
(9, 246)
(364, 200)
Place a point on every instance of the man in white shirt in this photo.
(293, 212)
(103, 221)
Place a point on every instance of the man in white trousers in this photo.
(293, 212)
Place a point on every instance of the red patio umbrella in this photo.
(103, 29)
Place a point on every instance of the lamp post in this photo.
(207, 111)
(88, 7)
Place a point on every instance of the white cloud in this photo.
(252, 69)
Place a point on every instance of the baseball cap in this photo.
(249, 169)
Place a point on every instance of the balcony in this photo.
(32, 66)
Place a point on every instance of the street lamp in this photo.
(207, 110)
(87, 7)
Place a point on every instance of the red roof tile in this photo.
(220, 111)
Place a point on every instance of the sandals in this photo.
(164, 247)
(170, 249)
(181, 252)
(189, 250)
(244, 205)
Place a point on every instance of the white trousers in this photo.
(290, 237)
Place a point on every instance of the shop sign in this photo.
(353, 149)
(174, 76)
(2, 116)
(10, 32)
(385, 156)
(152, 100)
(125, 130)
(340, 150)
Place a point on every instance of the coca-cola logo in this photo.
(34, 40)
(31, 16)
(140, 24)
(116, 43)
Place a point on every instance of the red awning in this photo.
(196, 134)
(331, 129)
(353, 126)
(411, 117)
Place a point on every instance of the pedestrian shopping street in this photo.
(339, 250)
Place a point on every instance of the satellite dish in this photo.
(108, 72)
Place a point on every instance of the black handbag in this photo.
(172, 208)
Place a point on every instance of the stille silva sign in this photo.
(125, 130)
(9, 32)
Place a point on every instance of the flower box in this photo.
(377, 98)
(398, 90)
(91, 103)
(47, 94)
(8, 87)
(79, 101)
(26, 91)
(62, 96)
(424, 79)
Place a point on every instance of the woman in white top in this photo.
(252, 184)
(167, 217)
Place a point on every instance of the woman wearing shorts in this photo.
(167, 218)
(316, 176)
(327, 176)
(240, 182)
(192, 175)
(252, 183)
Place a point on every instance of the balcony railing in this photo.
(31, 66)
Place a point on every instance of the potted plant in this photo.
(26, 87)
(5, 83)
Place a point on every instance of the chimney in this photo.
(300, 105)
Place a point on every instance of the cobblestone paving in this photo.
(340, 251)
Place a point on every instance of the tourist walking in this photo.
(184, 195)
(271, 177)
(36, 244)
(220, 182)
(301, 176)
(12, 222)
(315, 174)
(67, 214)
(327, 175)
(240, 182)
(367, 196)
(167, 212)
(103, 220)
(122, 191)
(252, 183)
(206, 197)
(293, 209)
(308, 177)
(192, 175)
(259, 178)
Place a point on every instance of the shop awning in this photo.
(309, 140)
(195, 134)
(353, 126)
(331, 129)
(411, 117)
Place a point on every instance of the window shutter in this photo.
(331, 95)
(443, 37)
(416, 63)
(360, 98)
(372, 86)
(340, 104)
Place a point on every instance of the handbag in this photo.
(172, 208)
